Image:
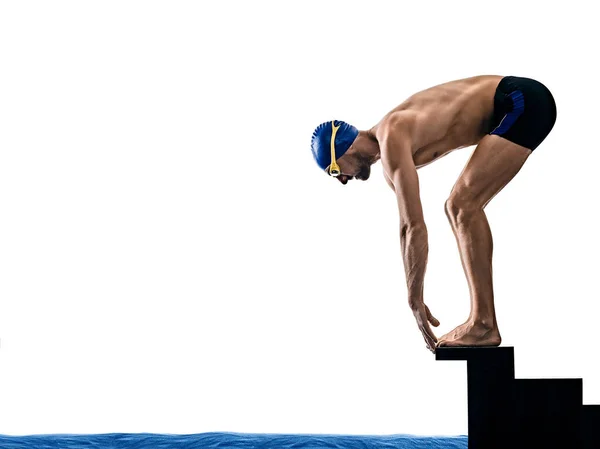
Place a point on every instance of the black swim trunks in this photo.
(524, 111)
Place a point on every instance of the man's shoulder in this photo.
(395, 134)
(395, 124)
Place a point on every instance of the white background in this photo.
(173, 260)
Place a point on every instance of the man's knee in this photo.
(460, 208)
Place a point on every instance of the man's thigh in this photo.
(492, 165)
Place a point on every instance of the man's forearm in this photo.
(415, 248)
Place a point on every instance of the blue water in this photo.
(228, 440)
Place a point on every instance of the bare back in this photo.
(446, 117)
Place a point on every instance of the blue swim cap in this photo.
(321, 141)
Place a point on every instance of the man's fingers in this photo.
(430, 344)
(433, 337)
(423, 317)
(428, 335)
(424, 325)
(433, 320)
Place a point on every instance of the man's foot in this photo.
(472, 334)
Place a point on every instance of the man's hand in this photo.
(424, 317)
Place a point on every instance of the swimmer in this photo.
(506, 117)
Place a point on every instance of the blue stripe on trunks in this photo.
(510, 118)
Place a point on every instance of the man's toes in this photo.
(444, 341)
(448, 336)
(451, 343)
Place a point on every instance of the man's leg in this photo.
(492, 165)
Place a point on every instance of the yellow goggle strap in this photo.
(334, 168)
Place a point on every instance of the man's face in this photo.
(353, 167)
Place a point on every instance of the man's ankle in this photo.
(488, 323)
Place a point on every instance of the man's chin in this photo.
(364, 175)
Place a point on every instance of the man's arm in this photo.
(413, 232)
(396, 156)
(397, 160)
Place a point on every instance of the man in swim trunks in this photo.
(506, 117)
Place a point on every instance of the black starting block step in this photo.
(590, 426)
(505, 412)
